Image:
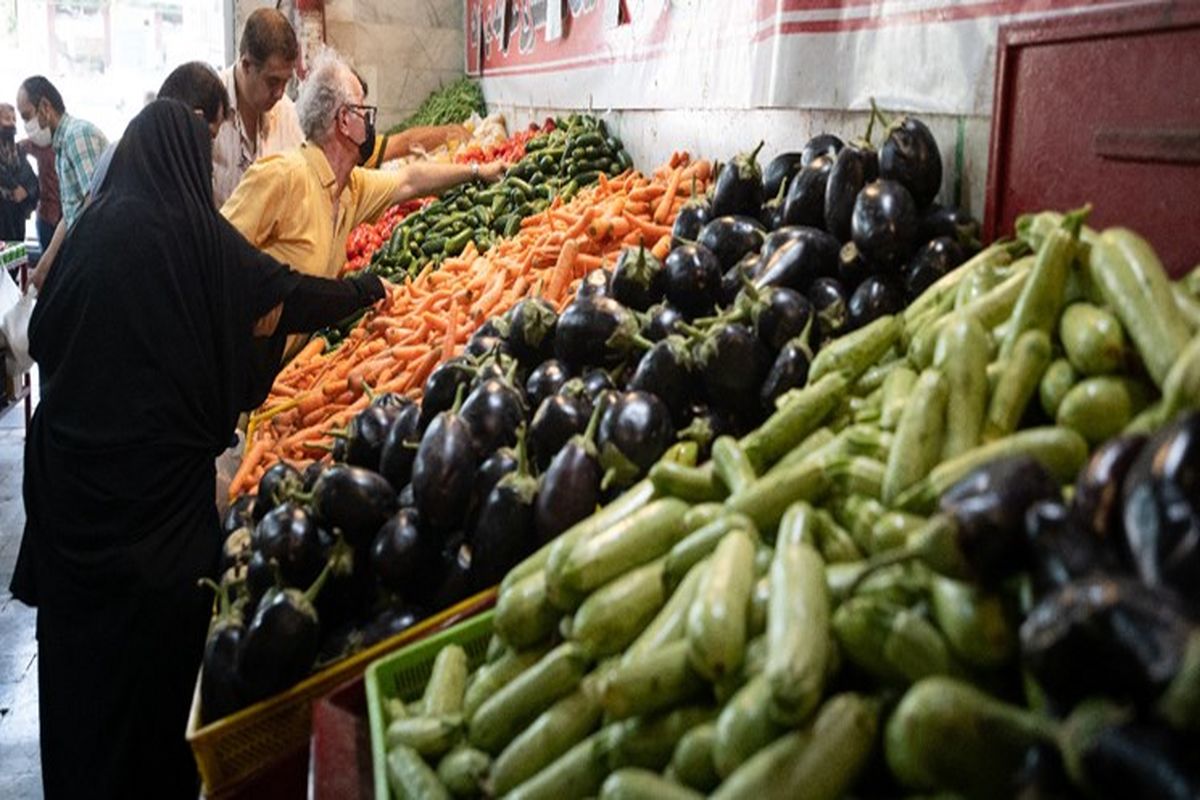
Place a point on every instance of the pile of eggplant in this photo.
(853, 228)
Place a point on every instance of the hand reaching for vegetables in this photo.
(492, 172)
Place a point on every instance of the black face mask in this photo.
(367, 147)
(8, 133)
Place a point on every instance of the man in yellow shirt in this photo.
(300, 206)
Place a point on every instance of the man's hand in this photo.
(19, 194)
(493, 172)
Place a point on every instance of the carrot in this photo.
(661, 248)
(451, 336)
(664, 206)
(250, 460)
(563, 269)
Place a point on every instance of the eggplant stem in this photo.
(311, 593)
(522, 451)
(458, 398)
(589, 433)
(641, 342)
(754, 153)
(876, 113)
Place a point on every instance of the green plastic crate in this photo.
(403, 674)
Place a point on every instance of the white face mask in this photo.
(37, 134)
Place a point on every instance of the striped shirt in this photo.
(77, 146)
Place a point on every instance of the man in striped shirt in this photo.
(77, 143)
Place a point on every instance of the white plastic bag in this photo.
(15, 311)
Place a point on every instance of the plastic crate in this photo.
(405, 673)
(232, 750)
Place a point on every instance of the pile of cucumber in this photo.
(749, 626)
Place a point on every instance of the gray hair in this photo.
(324, 91)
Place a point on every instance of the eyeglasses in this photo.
(366, 112)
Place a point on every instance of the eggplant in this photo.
(805, 201)
(593, 285)
(692, 216)
(442, 386)
(739, 187)
(497, 367)
(290, 536)
(1096, 506)
(662, 320)
(570, 486)
(546, 379)
(729, 238)
(280, 481)
(366, 434)
(399, 553)
(875, 297)
(1061, 550)
(693, 280)
(390, 622)
(390, 400)
(400, 446)
(829, 300)
(354, 500)
(497, 465)
(809, 255)
(312, 473)
(772, 211)
(455, 577)
(779, 237)
(780, 315)
(884, 224)
(638, 280)
(856, 165)
(779, 172)
(504, 534)
(666, 371)
(1105, 636)
(531, 324)
(634, 431)
(853, 269)
(823, 144)
(493, 411)
(557, 419)
(221, 690)
(704, 425)
(595, 383)
(979, 532)
(482, 346)
(280, 644)
(406, 498)
(733, 363)
(1162, 509)
(492, 328)
(443, 471)
(240, 514)
(953, 222)
(736, 279)
(237, 547)
(595, 332)
(789, 371)
(1113, 755)
(933, 260)
(260, 577)
(909, 155)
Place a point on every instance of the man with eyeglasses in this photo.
(262, 119)
(300, 206)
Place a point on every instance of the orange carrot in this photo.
(664, 206)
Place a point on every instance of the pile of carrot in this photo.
(429, 318)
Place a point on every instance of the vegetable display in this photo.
(450, 104)
(368, 237)
(845, 597)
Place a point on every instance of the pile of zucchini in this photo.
(557, 164)
(750, 626)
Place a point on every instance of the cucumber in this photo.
(918, 444)
(671, 622)
(962, 355)
(463, 771)
(1018, 381)
(641, 784)
(409, 776)
(854, 353)
(700, 543)
(555, 731)
(637, 539)
(1057, 380)
(716, 622)
(613, 616)
(1098, 408)
(897, 387)
(745, 726)
(649, 741)
(1135, 285)
(655, 681)
(491, 678)
(798, 641)
(524, 615)
(447, 682)
(508, 711)
(692, 761)
(429, 736)
(1092, 338)
(1044, 293)
(579, 772)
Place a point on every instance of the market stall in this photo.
(738, 475)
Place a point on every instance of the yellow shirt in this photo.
(284, 205)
